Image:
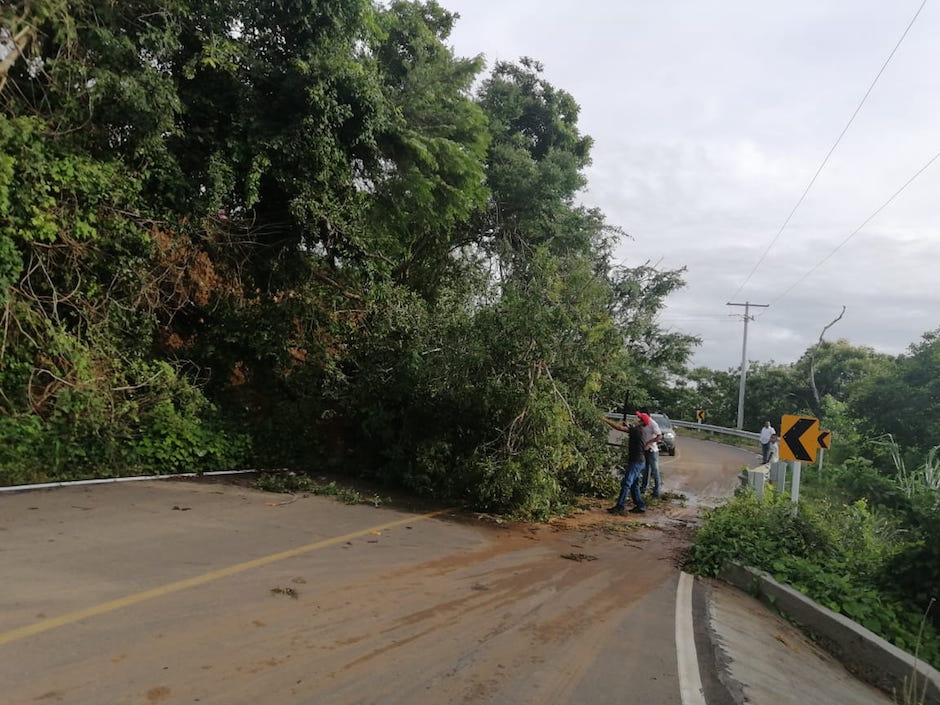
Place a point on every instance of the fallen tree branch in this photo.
(16, 46)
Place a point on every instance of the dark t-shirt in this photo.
(634, 446)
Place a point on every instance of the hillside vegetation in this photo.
(305, 234)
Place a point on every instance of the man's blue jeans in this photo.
(652, 468)
(631, 483)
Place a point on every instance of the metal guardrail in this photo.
(716, 429)
(755, 477)
(695, 426)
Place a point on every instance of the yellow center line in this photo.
(71, 617)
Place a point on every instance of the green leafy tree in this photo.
(902, 398)
(836, 417)
(487, 390)
(280, 118)
(493, 405)
(534, 166)
(652, 358)
(432, 150)
(715, 391)
(833, 368)
(770, 393)
(276, 141)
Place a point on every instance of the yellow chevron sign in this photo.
(799, 438)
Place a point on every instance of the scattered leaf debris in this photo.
(289, 591)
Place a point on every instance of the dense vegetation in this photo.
(304, 233)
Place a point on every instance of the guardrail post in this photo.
(795, 483)
(757, 482)
(778, 475)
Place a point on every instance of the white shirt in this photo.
(774, 452)
(765, 433)
(651, 430)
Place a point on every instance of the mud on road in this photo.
(186, 592)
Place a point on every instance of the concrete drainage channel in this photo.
(862, 652)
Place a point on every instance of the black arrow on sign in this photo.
(823, 440)
(792, 439)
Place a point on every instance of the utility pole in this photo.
(747, 317)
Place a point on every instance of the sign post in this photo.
(825, 438)
(700, 415)
(778, 475)
(795, 469)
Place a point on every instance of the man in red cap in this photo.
(652, 434)
(632, 466)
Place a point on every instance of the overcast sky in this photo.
(709, 121)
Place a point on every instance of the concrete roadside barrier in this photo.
(865, 654)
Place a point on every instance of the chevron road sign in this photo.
(800, 438)
(824, 440)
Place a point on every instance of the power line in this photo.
(831, 150)
(691, 316)
(859, 228)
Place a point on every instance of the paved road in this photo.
(186, 592)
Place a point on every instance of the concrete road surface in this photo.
(200, 592)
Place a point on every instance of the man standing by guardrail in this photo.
(765, 434)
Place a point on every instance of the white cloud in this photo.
(709, 121)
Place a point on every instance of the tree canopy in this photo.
(273, 232)
(308, 233)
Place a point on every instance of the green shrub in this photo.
(753, 532)
(167, 426)
(22, 438)
(853, 559)
(171, 442)
(285, 482)
(908, 504)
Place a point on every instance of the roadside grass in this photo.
(914, 691)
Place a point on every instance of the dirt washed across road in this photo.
(198, 592)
